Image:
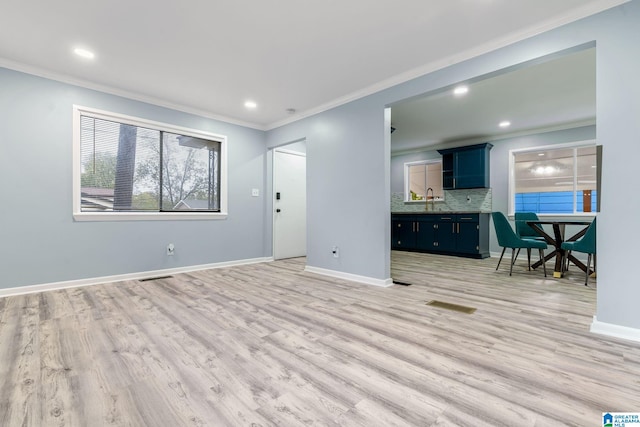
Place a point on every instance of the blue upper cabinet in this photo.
(465, 167)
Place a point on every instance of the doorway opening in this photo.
(544, 102)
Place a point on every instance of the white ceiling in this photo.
(210, 56)
(558, 93)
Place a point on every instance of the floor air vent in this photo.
(154, 278)
(454, 307)
(395, 282)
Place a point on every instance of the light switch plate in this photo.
(255, 192)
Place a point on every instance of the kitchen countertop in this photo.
(438, 212)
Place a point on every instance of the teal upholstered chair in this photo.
(586, 244)
(507, 238)
(524, 230)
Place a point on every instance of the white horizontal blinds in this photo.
(191, 173)
(118, 166)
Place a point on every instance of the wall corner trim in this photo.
(30, 289)
(616, 331)
(385, 283)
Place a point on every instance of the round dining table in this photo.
(556, 240)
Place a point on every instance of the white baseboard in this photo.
(29, 289)
(616, 331)
(352, 277)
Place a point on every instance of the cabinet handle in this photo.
(445, 217)
(466, 219)
(458, 228)
(453, 227)
(454, 183)
(399, 225)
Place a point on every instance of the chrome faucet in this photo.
(426, 196)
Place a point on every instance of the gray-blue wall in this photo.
(40, 242)
(345, 178)
(348, 158)
(348, 167)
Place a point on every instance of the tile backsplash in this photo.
(477, 199)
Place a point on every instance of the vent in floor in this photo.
(449, 306)
(395, 282)
(154, 278)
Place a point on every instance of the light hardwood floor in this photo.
(269, 344)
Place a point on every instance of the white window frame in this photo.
(512, 175)
(407, 191)
(78, 215)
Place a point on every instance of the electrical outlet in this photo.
(335, 251)
(171, 249)
(255, 192)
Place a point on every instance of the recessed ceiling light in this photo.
(504, 124)
(250, 105)
(460, 90)
(540, 154)
(84, 53)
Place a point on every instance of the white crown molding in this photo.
(47, 74)
(616, 331)
(490, 46)
(574, 15)
(30, 289)
(351, 277)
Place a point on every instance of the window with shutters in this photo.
(130, 168)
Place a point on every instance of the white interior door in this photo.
(289, 204)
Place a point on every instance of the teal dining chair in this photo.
(524, 230)
(507, 238)
(586, 244)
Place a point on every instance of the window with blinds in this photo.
(129, 166)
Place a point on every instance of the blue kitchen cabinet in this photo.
(462, 234)
(412, 232)
(466, 167)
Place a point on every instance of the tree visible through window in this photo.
(129, 168)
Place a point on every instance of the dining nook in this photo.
(556, 240)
